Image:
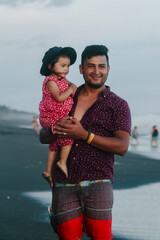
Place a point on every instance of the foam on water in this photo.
(25, 126)
(44, 197)
(135, 211)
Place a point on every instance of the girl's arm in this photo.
(53, 88)
(69, 83)
(73, 86)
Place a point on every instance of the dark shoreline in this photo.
(23, 158)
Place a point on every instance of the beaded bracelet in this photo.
(91, 136)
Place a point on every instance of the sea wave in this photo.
(14, 117)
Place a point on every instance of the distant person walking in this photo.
(154, 136)
(35, 124)
(134, 135)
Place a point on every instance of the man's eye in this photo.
(90, 66)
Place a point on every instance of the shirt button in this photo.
(76, 144)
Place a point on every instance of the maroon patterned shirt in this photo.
(86, 162)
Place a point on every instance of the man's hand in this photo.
(67, 127)
(70, 127)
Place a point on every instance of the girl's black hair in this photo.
(52, 55)
(52, 62)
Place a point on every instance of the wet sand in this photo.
(22, 160)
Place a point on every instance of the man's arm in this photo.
(117, 144)
(46, 137)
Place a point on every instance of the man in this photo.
(154, 137)
(100, 123)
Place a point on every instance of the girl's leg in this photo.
(62, 163)
(48, 173)
(51, 159)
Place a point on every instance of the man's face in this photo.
(95, 71)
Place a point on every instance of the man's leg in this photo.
(67, 214)
(98, 211)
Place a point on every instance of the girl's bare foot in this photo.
(48, 178)
(63, 167)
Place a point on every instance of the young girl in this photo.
(57, 102)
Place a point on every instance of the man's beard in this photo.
(95, 86)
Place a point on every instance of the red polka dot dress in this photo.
(51, 110)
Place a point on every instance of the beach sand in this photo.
(23, 159)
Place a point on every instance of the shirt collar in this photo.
(104, 93)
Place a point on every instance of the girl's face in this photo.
(61, 67)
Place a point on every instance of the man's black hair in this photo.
(94, 50)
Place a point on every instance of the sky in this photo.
(130, 29)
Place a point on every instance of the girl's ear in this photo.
(50, 66)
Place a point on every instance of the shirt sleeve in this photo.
(122, 117)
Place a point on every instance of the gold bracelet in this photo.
(91, 136)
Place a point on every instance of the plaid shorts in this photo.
(77, 209)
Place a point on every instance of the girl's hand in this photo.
(74, 89)
(70, 127)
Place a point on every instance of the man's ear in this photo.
(81, 69)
